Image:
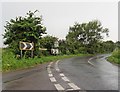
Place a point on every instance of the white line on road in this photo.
(75, 87)
(56, 66)
(53, 79)
(50, 75)
(51, 63)
(49, 71)
(70, 89)
(90, 62)
(59, 87)
(66, 79)
(61, 74)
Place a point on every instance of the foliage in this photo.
(26, 29)
(85, 35)
(11, 63)
(115, 57)
(47, 42)
(117, 44)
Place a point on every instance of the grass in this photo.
(115, 57)
(9, 62)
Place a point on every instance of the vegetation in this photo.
(26, 29)
(48, 43)
(115, 57)
(12, 63)
(86, 37)
(82, 39)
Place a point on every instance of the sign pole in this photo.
(21, 53)
(31, 53)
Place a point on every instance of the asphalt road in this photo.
(78, 73)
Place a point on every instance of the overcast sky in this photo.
(57, 17)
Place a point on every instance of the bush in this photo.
(115, 57)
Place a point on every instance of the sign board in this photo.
(55, 51)
(56, 44)
(26, 46)
(42, 49)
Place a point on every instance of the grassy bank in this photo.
(9, 62)
(115, 57)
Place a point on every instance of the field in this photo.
(9, 62)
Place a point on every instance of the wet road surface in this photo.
(78, 73)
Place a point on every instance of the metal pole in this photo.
(21, 53)
(31, 53)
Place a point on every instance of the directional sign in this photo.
(26, 46)
(42, 48)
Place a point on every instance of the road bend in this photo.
(77, 73)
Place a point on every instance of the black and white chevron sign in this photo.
(26, 46)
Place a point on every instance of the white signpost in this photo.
(55, 49)
(27, 46)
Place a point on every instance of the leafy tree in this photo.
(108, 46)
(86, 35)
(26, 29)
(118, 44)
(47, 42)
(63, 46)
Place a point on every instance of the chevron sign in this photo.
(26, 46)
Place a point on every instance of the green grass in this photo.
(115, 57)
(9, 62)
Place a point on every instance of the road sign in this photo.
(26, 46)
(55, 51)
(56, 44)
(42, 49)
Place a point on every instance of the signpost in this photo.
(27, 46)
(55, 49)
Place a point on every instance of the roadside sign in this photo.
(26, 46)
(56, 44)
(42, 49)
(55, 51)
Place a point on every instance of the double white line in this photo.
(63, 77)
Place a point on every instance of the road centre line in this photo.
(53, 79)
(61, 74)
(50, 75)
(65, 79)
(90, 62)
(59, 87)
(73, 86)
(56, 64)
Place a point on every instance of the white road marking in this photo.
(50, 63)
(59, 87)
(53, 79)
(49, 66)
(58, 70)
(70, 89)
(65, 79)
(90, 62)
(61, 74)
(75, 87)
(56, 66)
(50, 75)
(49, 71)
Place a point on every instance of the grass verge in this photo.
(9, 62)
(115, 57)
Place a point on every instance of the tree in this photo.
(27, 29)
(86, 35)
(47, 42)
(118, 44)
(63, 46)
(108, 46)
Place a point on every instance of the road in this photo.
(78, 73)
